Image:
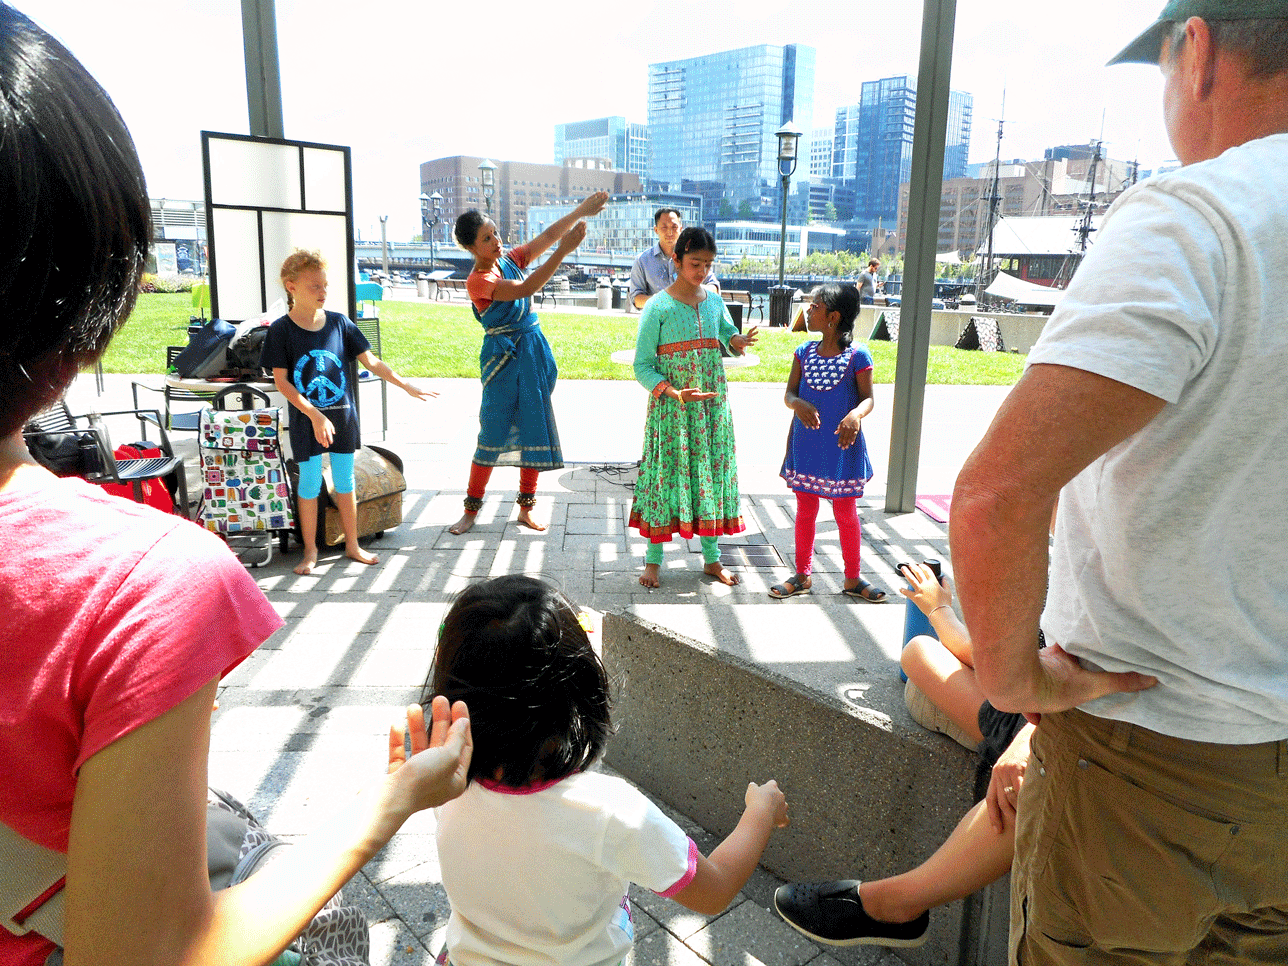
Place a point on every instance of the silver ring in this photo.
(1008, 789)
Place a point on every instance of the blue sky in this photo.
(403, 82)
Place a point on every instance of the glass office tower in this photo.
(712, 119)
(615, 138)
(874, 143)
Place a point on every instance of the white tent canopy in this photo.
(1017, 290)
(948, 258)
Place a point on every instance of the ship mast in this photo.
(983, 277)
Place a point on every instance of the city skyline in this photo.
(409, 82)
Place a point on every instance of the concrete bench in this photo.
(871, 792)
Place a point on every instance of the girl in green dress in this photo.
(688, 480)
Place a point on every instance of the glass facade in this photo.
(621, 142)
(713, 118)
(873, 149)
(624, 227)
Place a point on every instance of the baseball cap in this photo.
(1148, 47)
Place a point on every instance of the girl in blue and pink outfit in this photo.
(538, 853)
(829, 391)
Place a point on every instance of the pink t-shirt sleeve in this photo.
(187, 612)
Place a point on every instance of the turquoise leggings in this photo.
(710, 552)
(311, 475)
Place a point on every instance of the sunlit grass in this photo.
(443, 340)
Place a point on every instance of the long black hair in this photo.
(695, 239)
(513, 649)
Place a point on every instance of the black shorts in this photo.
(999, 729)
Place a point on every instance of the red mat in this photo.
(935, 507)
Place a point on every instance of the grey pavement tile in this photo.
(661, 948)
(413, 847)
(359, 892)
(644, 923)
(749, 929)
(393, 944)
(669, 914)
(419, 899)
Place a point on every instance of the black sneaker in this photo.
(832, 913)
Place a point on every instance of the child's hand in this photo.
(323, 431)
(927, 592)
(768, 799)
(806, 413)
(694, 395)
(848, 431)
(741, 343)
(422, 394)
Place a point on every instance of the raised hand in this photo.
(440, 755)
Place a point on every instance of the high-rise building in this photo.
(820, 159)
(712, 119)
(873, 143)
(621, 142)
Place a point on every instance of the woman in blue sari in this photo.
(516, 418)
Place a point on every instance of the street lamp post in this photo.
(431, 207)
(384, 249)
(780, 297)
(487, 174)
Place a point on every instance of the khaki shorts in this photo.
(1134, 847)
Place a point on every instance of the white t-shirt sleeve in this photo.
(1144, 307)
(643, 845)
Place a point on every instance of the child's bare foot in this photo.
(360, 555)
(305, 566)
(716, 570)
(649, 577)
(463, 524)
(525, 519)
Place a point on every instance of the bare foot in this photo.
(525, 519)
(305, 566)
(463, 524)
(362, 556)
(717, 571)
(649, 577)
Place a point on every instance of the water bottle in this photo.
(914, 621)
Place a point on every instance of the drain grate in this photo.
(750, 556)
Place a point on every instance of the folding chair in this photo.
(184, 421)
(58, 419)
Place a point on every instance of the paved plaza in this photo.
(302, 723)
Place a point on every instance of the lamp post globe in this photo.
(487, 175)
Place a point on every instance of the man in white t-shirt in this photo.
(1153, 820)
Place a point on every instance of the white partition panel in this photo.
(266, 198)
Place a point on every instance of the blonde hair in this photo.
(297, 262)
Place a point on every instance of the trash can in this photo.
(619, 296)
(603, 295)
(433, 290)
(422, 285)
(780, 304)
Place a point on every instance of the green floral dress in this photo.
(688, 479)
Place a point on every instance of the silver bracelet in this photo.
(938, 607)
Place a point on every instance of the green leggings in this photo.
(710, 552)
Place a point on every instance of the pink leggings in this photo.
(846, 511)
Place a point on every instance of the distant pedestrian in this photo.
(516, 418)
(539, 852)
(829, 391)
(654, 268)
(688, 480)
(868, 282)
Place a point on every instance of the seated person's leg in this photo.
(948, 683)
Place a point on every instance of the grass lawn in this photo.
(443, 340)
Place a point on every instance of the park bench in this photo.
(749, 300)
(448, 287)
(554, 294)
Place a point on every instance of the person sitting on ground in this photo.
(537, 855)
(119, 620)
(943, 695)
